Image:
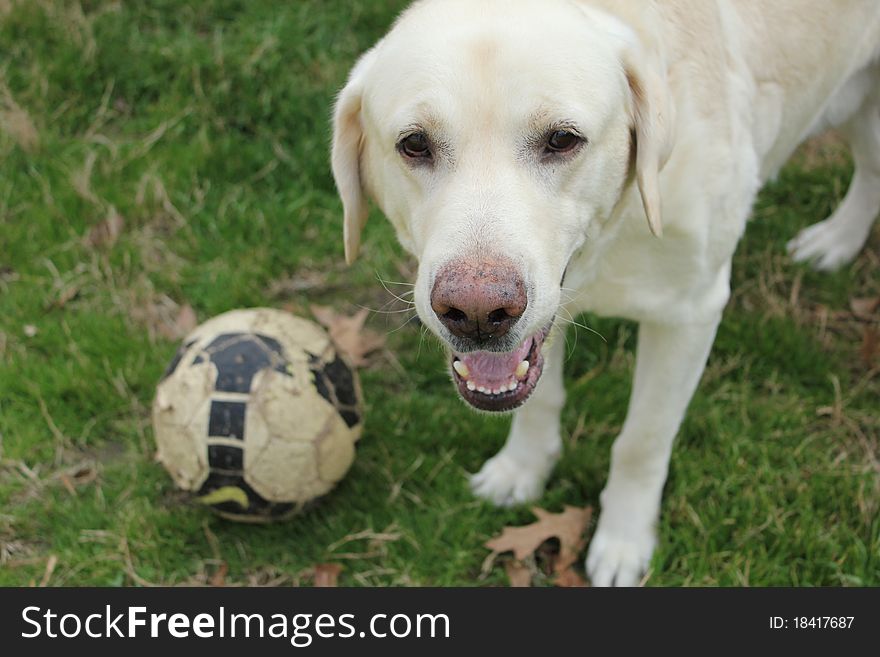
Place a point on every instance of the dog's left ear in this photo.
(653, 127)
(348, 138)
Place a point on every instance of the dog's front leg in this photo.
(669, 362)
(519, 471)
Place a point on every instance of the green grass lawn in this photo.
(204, 126)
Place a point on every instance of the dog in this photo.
(548, 156)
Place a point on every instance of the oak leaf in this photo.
(348, 333)
(568, 527)
(181, 324)
(518, 573)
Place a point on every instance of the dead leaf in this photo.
(186, 319)
(349, 334)
(30, 330)
(327, 575)
(64, 296)
(80, 474)
(568, 527)
(105, 233)
(162, 316)
(864, 307)
(84, 474)
(518, 573)
(68, 484)
(219, 576)
(183, 323)
(568, 578)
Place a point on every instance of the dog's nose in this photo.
(479, 300)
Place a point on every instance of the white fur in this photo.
(717, 93)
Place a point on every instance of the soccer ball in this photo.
(257, 414)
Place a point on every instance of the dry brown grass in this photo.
(16, 122)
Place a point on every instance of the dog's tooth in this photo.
(471, 386)
(483, 390)
(522, 369)
(462, 370)
(497, 391)
(512, 386)
(502, 389)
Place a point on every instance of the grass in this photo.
(204, 125)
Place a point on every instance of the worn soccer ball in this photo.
(257, 414)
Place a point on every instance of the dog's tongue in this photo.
(492, 370)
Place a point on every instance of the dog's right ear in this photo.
(348, 139)
(653, 121)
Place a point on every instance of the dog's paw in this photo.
(827, 245)
(506, 482)
(619, 559)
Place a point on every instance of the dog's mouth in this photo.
(500, 382)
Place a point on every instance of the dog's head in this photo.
(498, 137)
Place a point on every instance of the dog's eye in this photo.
(562, 141)
(415, 146)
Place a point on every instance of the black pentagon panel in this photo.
(322, 387)
(351, 417)
(239, 356)
(237, 365)
(227, 419)
(178, 356)
(334, 380)
(226, 457)
(340, 375)
(273, 345)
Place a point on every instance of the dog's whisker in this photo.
(422, 334)
(570, 320)
(384, 282)
(402, 300)
(571, 295)
(571, 349)
(405, 323)
(386, 312)
(410, 305)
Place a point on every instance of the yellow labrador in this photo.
(610, 149)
